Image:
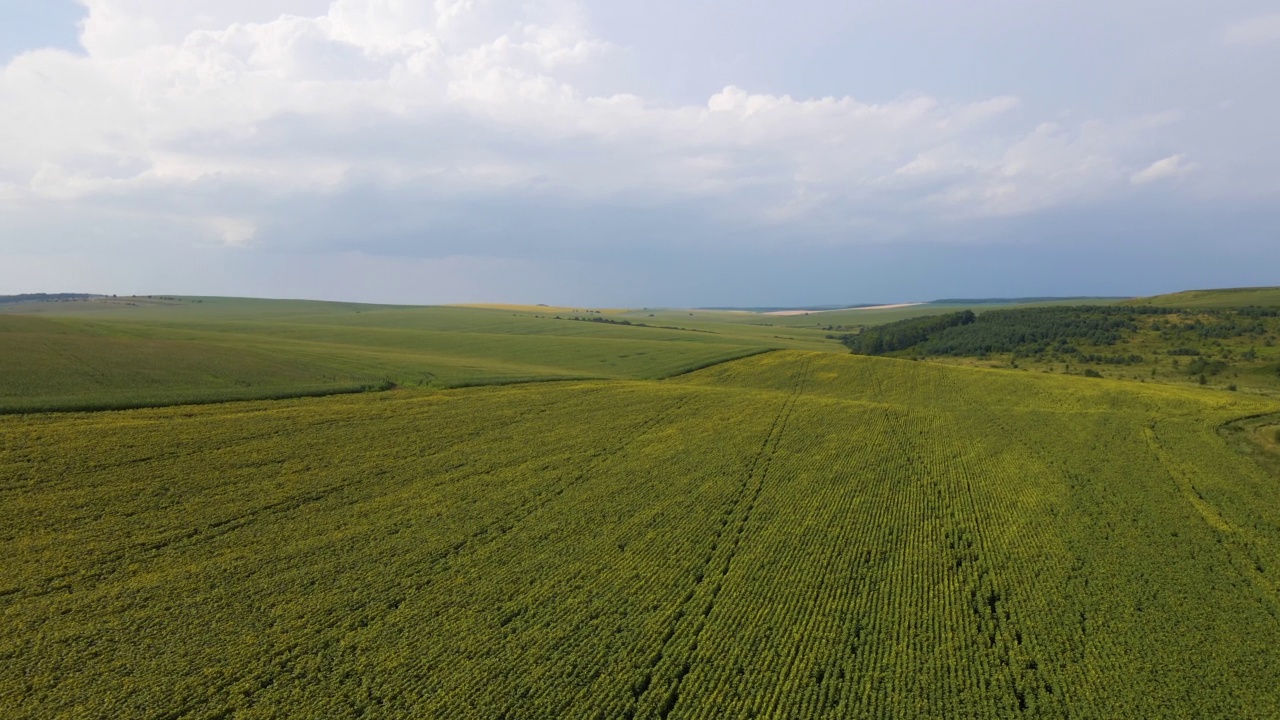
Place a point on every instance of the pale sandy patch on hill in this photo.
(870, 307)
(538, 308)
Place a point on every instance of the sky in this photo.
(709, 153)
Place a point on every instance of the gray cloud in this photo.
(539, 133)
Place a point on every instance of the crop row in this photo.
(788, 536)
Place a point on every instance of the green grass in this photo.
(149, 352)
(795, 534)
(53, 364)
(1222, 298)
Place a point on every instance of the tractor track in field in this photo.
(1237, 542)
(752, 487)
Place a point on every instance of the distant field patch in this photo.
(1219, 298)
(518, 308)
(168, 350)
(893, 306)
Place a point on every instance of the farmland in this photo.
(794, 534)
(113, 353)
(141, 352)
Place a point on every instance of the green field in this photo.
(1224, 298)
(789, 535)
(151, 352)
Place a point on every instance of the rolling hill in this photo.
(1222, 298)
(137, 352)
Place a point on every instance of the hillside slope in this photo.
(1235, 348)
(118, 353)
(1218, 298)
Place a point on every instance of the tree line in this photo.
(1053, 329)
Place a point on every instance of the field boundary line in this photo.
(126, 406)
(352, 389)
(703, 366)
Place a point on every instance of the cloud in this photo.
(1171, 167)
(438, 128)
(1255, 31)
(236, 232)
(345, 275)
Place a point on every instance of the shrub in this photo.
(1201, 366)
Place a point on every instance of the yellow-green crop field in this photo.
(788, 535)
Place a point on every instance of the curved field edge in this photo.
(131, 400)
(791, 534)
(1257, 436)
(72, 365)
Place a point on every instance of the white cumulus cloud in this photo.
(253, 122)
(1171, 167)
